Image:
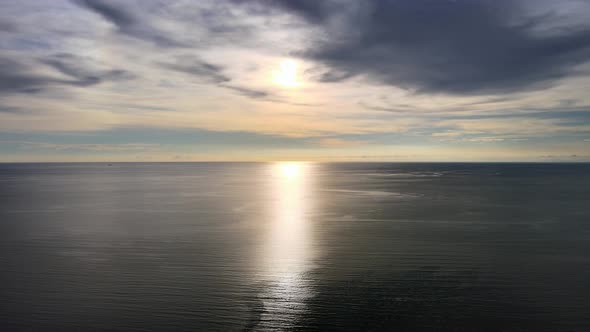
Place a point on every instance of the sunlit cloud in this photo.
(322, 75)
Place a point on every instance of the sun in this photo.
(286, 75)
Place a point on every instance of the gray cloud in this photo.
(576, 115)
(85, 147)
(25, 77)
(197, 67)
(81, 75)
(252, 93)
(10, 109)
(14, 77)
(211, 73)
(6, 26)
(458, 47)
(313, 11)
(129, 23)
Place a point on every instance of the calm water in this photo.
(269, 247)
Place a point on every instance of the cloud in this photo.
(340, 143)
(395, 72)
(6, 26)
(78, 69)
(10, 109)
(252, 93)
(447, 134)
(20, 76)
(211, 73)
(485, 139)
(434, 46)
(85, 147)
(14, 77)
(197, 67)
(129, 23)
(313, 11)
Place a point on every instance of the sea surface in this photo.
(295, 246)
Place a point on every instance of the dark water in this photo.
(269, 247)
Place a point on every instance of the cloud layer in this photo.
(450, 78)
(432, 46)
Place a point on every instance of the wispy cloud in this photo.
(18, 76)
(377, 78)
(198, 68)
(86, 147)
(252, 93)
(339, 142)
(128, 22)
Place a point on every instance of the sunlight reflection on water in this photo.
(288, 248)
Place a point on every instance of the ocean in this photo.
(295, 246)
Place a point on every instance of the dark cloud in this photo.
(80, 75)
(209, 23)
(129, 23)
(14, 77)
(313, 11)
(459, 47)
(116, 15)
(7, 26)
(196, 67)
(25, 77)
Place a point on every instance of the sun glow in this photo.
(290, 170)
(287, 74)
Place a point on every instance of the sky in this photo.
(263, 80)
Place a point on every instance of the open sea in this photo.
(295, 246)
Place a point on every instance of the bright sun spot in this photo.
(287, 74)
(290, 170)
